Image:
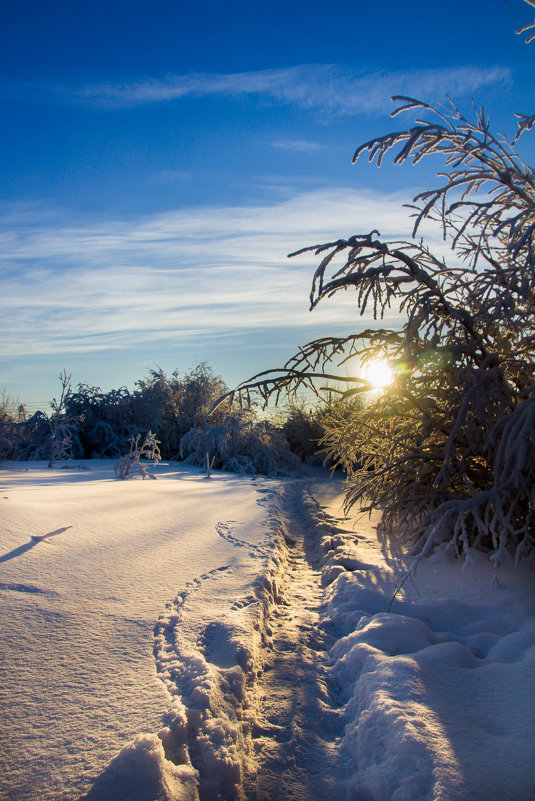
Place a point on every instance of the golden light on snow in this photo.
(378, 373)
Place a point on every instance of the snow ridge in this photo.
(210, 671)
(435, 694)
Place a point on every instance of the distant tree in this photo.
(6, 427)
(62, 425)
(5, 435)
(173, 404)
(301, 426)
(174, 408)
(240, 444)
(106, 420)
(447, 451)
(11, 413)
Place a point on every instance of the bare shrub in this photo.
(61, 424)
(145, 448)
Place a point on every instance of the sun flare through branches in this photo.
(378, 373)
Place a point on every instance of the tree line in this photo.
(87, 423)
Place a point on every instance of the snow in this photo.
(438, 685)
(190, 639)
(77, 670)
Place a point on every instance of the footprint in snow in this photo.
(224, 530)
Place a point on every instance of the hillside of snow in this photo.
(236, 639)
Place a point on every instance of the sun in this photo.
(378, 373)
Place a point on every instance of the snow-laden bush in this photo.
(52, 436)
(11, 414)
(7, 435)
(105, 440)
(97, 424)
(302, 429)
(30, 439)
(448, 449)
(240, 444)
(168, 405)
(141, 447)
(106, 420)
(173, 404)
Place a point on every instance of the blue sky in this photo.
(159, 160)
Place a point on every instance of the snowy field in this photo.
(187, 639)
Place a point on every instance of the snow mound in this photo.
(438, 693)
(142, 772)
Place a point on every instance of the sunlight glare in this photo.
(378, 373)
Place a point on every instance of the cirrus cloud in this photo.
(196, 274)
(324, 88)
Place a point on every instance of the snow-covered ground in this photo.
(231, 639)
(78, 609)
(437, 687)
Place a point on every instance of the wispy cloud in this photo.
(296, 145)
(192, 275)
(327, 89)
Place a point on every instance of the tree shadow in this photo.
(35, 539)
(18, 551)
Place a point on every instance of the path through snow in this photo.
(297, 733)
(78, 610)
(280, 668)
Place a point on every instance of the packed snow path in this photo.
(295, 739)
(247, 681)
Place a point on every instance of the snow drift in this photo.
(115, 686)
(437, 693)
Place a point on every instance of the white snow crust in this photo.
(436, 687)
(232, 639)
(89, 565)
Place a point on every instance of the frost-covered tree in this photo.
(302, 428)
(12, 418)
(141, 448)
(240, 444)
(106, 420)
(62, 425)
(448, 449)
(173, 404)
(6, 435)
